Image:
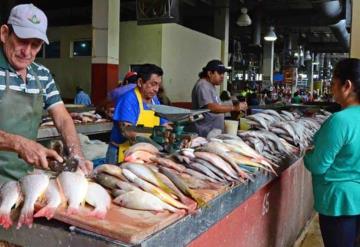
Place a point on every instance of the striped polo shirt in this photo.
(51, 95)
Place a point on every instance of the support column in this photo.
(268, 64)
(310, 75)
(105, 48)
(221, 28)
(355, 30)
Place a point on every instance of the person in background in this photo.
(28, 88)
(129, 83)
(204, 96)
(132, 110)
(252, 99)
(334, 161)
(296, 99)
(82, 98)
(163, 98)
(267, 97)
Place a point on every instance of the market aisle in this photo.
(312, 236)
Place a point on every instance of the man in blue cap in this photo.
(26, 88)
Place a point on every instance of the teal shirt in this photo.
(335, 164)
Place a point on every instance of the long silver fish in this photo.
(218, 162)
(141, 200)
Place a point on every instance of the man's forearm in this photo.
(66, 128)
(217, 108)
(68, 132)
(8, 142)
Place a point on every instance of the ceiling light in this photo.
(270, 36)
(244, 19)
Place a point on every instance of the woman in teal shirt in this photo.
(334, 162)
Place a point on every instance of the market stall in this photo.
(253, 184)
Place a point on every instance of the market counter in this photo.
(50, 132)
(271, 211)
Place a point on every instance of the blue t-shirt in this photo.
(82, 98)
(127, 110)
(115, 94)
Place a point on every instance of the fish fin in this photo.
(201, 202)
(163, 186)
(46, 211)
(98, 213)
(72, 210)
(5, 220)
(26, 218)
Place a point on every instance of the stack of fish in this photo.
(282, 135)
(171, 183)
(78, 118)
(147, 187)
(69, 188)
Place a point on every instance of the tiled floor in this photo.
(312, 235)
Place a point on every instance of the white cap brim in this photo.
(29, 33)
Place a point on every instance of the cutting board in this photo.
(128, 225)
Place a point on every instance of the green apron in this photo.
(20, 114)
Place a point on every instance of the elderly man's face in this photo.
(150, 87)
(19, 52)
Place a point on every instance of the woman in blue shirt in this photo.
(334, 162)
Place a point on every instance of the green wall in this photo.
(180, 51)
(139, 44)
(184, 53)
(69, 71)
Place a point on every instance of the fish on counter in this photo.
(99, 198)
(141, 200)
(53, 199)
(148, 187)
(140, 156)
(74, 186)
(10, 195)
(32, 186)
(143, 146)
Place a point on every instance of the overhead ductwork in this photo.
(331, 12)
(257, 28)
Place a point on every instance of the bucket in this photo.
(231, 127)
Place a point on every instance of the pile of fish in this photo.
(78, 118)
(71, 189)
(282, 135)
(149, 180)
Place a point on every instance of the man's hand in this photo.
(35, 153)
(86, 166)
(242, 106)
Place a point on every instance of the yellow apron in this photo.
(146, 118)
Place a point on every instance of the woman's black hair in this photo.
(349, 69)
(203, 73)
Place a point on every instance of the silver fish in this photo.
(10, 194)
